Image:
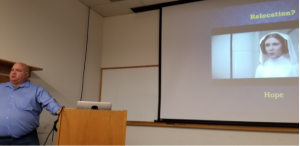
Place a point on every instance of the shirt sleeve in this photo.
(46, 101)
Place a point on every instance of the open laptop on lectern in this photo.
(94, 105)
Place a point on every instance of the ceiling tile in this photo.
(152, 2)
(95, 2)
(117, 8)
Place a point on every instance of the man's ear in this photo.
(27, 74)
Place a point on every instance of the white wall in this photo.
(93, 61)
(52, 35)
(144, 135)
(132, 40)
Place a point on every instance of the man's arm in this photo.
(47, 102)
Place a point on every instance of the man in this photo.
(21, 103)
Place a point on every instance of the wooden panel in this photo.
(4, 78)
(91, 127)
(130, 67)
(5, 69)
(222, 127)
(10, 63)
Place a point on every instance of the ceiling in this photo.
(108, 8)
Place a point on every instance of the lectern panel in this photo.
(91, 127)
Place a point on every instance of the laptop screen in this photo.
(94, 105)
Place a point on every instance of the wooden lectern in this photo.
(91, 127)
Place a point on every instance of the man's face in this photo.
(18, 74)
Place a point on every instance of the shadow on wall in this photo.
(46, 119)
(55, 93)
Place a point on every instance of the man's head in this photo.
(19, 74)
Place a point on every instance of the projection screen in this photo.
(230, 61)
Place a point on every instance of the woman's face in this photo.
(273, 47)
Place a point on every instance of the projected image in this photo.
(277, 57)
(258, 54)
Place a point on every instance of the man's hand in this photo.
(58, 111)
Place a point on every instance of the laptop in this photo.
(94, 105)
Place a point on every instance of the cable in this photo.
(54, 126)
(87, 40)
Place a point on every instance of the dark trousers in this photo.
(29, 139)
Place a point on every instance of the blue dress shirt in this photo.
(20, 108)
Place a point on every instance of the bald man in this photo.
(21, 104)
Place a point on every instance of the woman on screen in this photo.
(277, 57)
